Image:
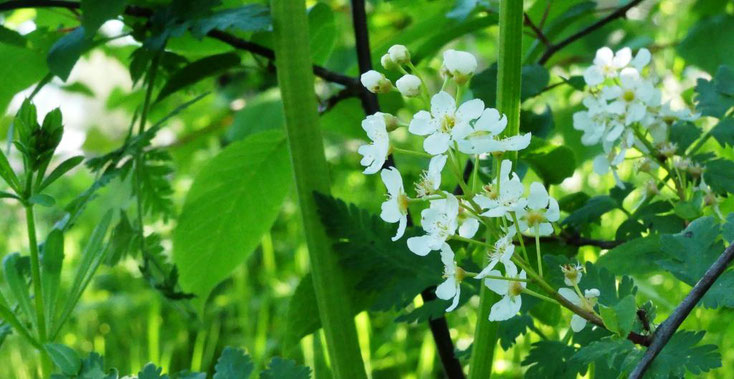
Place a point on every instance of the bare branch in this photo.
(538, 33)
(666, 330)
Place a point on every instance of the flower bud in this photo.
(409, 85)
(651, 187)
(668, 149)
(695, 169)
(399, 54)
(388, 63)
(459, 65)
(375, 82)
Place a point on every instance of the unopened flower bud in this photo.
(409, 85)
(388, 63)
(375, 82)
(399, 54)
(391, 122)
(459, 65)
(651, 187)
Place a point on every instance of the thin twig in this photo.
(666, 330)
(554, 48)
(538, 33)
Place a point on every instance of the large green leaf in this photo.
(708, 43)
(197, 71)
(95, 13)
(20, 69)
(64, 357)
(233, 201)
(321, 32)
(66, 51)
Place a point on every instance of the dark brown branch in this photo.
(538, 33)
(554, 48)
(666, 330)
(229, 39)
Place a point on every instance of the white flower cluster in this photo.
(623, 107)
(451, 133)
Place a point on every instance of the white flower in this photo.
(630, 98)
(375, 82)
(431, 179)
(439, 124)
(541, 211)
(409, 85)
(375, 154)
(606, 65)
(572, 274)
(510, 290)
(484, 135)
(459, 65)
(501, 253)
(395, 208)
(468, 223)
(590, 296)
(451, 287)
(439, 222)
(508, 199)
(399, 54)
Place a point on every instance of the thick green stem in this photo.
(296, 80)
(35, 262)
(508, 102)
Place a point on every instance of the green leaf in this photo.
(93, 368)
(321, 32)
(539, 124)
(720, 294)
(681, 354)
(612, 291)
(716, 97)
(551, 359)
(7, 173)
(151, 371)
(605, 351)
(691, 252)
(572, 202)
(513, 328)
(621, 317)
(64, 357)
(552, 163)
(683, 134)
(42, 200)
(15, 271)
(264, 112)
(66, 51)
(233, 364)
(59, 171)
(197, 71)
(728, 228)
(708, 43)
(21, 68)
(591, 211)
(95, 13)
(690, 209)
(51, 263)
(247, 18)
(634, 257)
(233, 201)
(719, 175)
(280, 368)
(723, 132)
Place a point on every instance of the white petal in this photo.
(629, 77)
(469, 228)
(456, 299)
(498, 286)
(441, 104)
(505, 309)
(437, 143)
(390, 211)
(451, 205)
(603, 56)
(420, 245)
(510, 269)
(641, 59)
(421, 124)
(447, 289)
(447, 257)
(470, 110)
(570, 295)
(491, 122)
(393, 181)
(489, 270)
(545, 229)
(515, 143)
(538, 197)
(593, 76)
(601, 164)
(401, 227)
(578, 323)
(553, 213)
(622, 58)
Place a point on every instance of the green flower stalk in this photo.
(293, 62)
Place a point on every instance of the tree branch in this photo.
(666, 330)
(554, 48)
(229, 39)
(538, 33)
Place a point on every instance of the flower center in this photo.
(535, 218)
(628, 96)
(424, 187)
(492, 193)
(515, 288)
(447, 123)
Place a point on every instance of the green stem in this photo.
(35, 262)
(508, 102)
(519, 237)
(537, 250)
(296, 80)
(410, 152)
